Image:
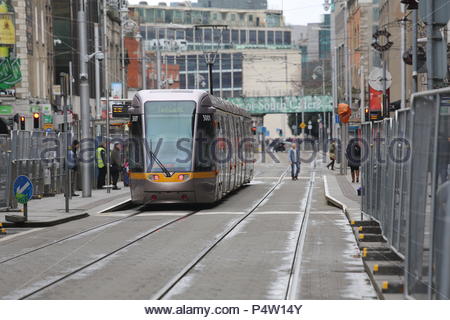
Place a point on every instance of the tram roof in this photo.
(188, 95)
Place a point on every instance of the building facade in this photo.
(26, 51)
(234, 4)
(247, 33)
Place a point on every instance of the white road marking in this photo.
(6, 238)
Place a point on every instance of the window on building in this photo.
(190, 35)
(206, 15)
(226, 36)
(278, 37)
(250, 18)
(192, 63)
(191, 81)
(237, 79)
(178, 16)
(270, 37)
(224, 16)
(199, 35)
(182, 81)
(214, 16)
(170, 34)
(181, 61)
(243, 36)
(257, 21)
(237, 61)
(169, 16)
(242, 16)
(170, 60)
(235, 36)
(233, 17)
(226, 61)
(217, 35)
(180, 35)
(287, 37)
(150, 15)
(162, 33)
(262, 37)
(237, 93)
(208, 35)
(202, 66)
(252, 37)
(197, 17)
(188, 17)
(226, 80)
(151, 33)
(216, 80)
(160, 16)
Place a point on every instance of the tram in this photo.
(187, 146)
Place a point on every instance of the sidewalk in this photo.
(50, 211)
(384, 267)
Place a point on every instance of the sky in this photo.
(295, 11)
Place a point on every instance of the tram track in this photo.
(164, 291)
(56, 281)
(294, 276)
(75, 235)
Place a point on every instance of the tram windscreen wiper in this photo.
(163, 168)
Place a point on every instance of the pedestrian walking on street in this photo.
(101, 165)
(332, 155)
(116, 165)
(294, 159)
(353, 153)
(72, 163)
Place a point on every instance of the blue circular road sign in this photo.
(23, 189)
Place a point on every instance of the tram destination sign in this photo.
(287, 104)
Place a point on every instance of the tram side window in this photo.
(204, 142)
(136, 145)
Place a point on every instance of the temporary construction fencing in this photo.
(406, 188)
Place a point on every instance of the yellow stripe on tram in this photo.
(177, 177)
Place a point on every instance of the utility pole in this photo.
(414, 51)
(86, 160)
(123, 10)
(402, 64)
(105, 52)
(158, 61)
(143, 63)
(67, 183)
(97, 78)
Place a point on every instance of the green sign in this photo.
(48, 119)
(35, 109)
(288, 104)
(6, 110)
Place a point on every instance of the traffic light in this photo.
(22, 123)
(36, 120)
(366, 114)
(411, 4)
(254, 131)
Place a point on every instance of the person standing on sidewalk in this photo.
(116, 165)
(353, 153)
(294, 159)
(72, 163)
(101, 165)
(332, 155)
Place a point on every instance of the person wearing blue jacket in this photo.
(294, 159)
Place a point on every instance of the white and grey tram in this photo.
(187, 146)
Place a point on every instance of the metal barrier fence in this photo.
(406, 188)
(38, 155)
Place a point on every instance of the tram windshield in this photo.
(169, 128)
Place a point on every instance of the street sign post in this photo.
(23, 192)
